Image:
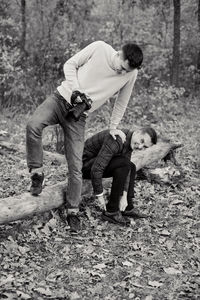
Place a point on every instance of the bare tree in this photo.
(198, 57)
(23, 22)
(176, 45)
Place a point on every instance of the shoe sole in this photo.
(35, 194)
(134, 216)
(106, 218)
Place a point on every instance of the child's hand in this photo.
(123, 202)
(101, 202)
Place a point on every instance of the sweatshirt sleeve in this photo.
(122, 101)
(71, 66)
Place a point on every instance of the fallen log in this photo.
(22, 149)
(153, 154)
(21, 206)
(18, 207)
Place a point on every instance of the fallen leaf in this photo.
(74, 296)
(22, 295)
(89, 249)
(135, 245)
(133, 223)
(79, 246)
(4, 133)
(169, 244)
(8, 295)
(46, 230)
(172, 271)
(122, 284)
(99, 266)
(23, 249)
(52, 277)
(165, 232)
(52, 223)
(155, 283)
(96, 273)
(10, 278)
(162, 240)
(88, 213)
(188, 214)
(137, 285)
(66, 249)
(176, 202)
(127, 263)
(138, 271)
(58, 239)
(43, 291)
(80, 271)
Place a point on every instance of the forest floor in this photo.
(154, 259)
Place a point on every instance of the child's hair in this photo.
(151, 132)
(134, 54)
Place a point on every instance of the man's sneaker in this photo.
(36, 185)
(115, 217)
(133, 214)
(74, 222)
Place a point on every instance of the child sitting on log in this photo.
(104, 157)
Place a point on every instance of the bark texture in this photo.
(176, 45)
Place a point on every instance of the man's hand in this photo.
(81, 91)
(101, 202)
(123, 202)
(121, 134)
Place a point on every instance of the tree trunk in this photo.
(23, 22)
(18, 207)
(176, 45)
(198, 57)
(1, 96)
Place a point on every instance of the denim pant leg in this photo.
(46, 114)
(74, 132)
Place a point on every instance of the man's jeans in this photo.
(121, 169)
(53, 111)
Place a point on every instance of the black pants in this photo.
(118, 168)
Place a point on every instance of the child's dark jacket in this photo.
(100, 149)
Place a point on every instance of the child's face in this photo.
(122, 65)
(140, 140)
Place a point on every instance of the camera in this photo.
(80, 103)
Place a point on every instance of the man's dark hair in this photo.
(134, 54)
(151, 132)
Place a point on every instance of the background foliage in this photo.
(38, 36)
(155, 258)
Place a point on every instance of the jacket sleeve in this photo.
(109, 148)
(122, 101)
(71, 66)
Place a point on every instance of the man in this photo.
(97, 72)
(105, 157)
